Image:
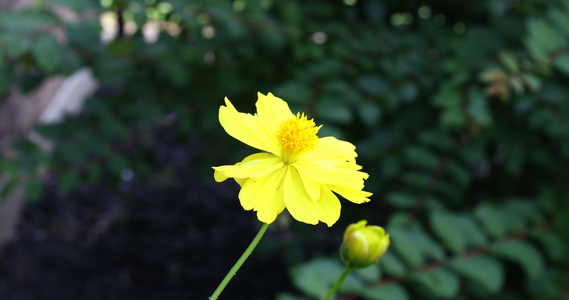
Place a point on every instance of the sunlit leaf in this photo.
(403, 242)
(385, 292)
(447, 227)
(47, 52)
(441, 282)
(487, 272)
(522, 253)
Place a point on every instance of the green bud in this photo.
(363, 245)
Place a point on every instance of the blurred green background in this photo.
(459, 111)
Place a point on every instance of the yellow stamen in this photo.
(297, 135)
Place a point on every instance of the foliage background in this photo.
(459, 111)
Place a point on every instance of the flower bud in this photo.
(363, 244)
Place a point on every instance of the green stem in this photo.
(333, 290)
(238, 264)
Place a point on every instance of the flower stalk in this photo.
(239, 262)
(336, 285)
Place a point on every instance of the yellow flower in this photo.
(363, 244)
(298, 170)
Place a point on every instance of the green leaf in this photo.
(525, 209)
(334, 111)
(485, 271)
(78, 5)
(409, 92)
(548, 285)
(417, 179)
(430, 247)
(537, 51)
(449, 190)
(94, 173)
(420, 156)
(490, 218)
(94, 144)
(458, 172)
(6, 79)
(448, 98)
(403, 241)
(114, 129)
(25, 21)
(436, 139)
(109, 69)
(477, 107)
(546, 35)
(85, 35)
(10, 183)
(509, 61)
(533, 82)
(402, 200)
(385, 292)
(290, 12)
(47, 53)
(398, 219)
(559, 17)
(512, 222)
(369, 112)
(374, 10)
(178, 73)
(447, 227)
(391, 265)
(522, 253)
(14, 45)
(316, 277)
(562, 63)
(34, 189)
(287, 296)
(553, 245)
(341, 92)
(472, 234)
(68, 180)
(117, 163)
(374, 85)
(369, 274)
(471, 51)
(294, 91)
(441, 282)
(69, 153)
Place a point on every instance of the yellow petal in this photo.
(219, 176)
(329, 206)
(241, 181)
(349, 166)
(331, 149)
(269, 211)
(297, 200)
(264, 195)
(248, 129)
(302, 208)
(253, 166)
(354, 195)
(327, 174)
(272, 110)
(311, 187)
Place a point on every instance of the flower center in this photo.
(297, 135)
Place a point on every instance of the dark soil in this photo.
(140, 240)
